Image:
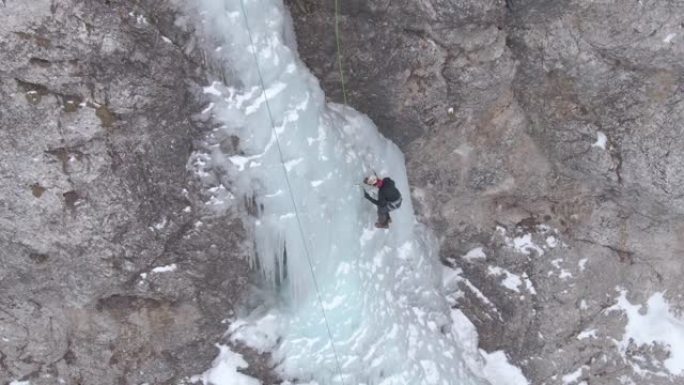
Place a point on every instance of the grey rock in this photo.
(95, 132)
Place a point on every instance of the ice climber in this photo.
(389, 198)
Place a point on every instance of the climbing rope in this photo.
(339, 51)
(289, 188)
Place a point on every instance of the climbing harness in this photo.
(289, 186)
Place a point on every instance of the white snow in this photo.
(571, 378)
(551, 241)
(601, 140)
(498, 370)
(165, 269)
(208, 108)
(212, 90)
(653, 324)
(564, 274)
(239, 161)
(260, 332)
(528, 284)
(17, 382)
(511, 281)
(669, 37)
(590, 333)
(139, 18)
(224, 370)
(582, 263)
(524, 245)
(161, 224)
(475, 253)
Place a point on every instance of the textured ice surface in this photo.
(381, 290)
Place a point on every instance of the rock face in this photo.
(548, 134)
(95, 133)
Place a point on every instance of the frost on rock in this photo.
(300, 160)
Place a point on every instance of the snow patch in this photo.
(208, 108)
(601, 140)
(669, 37)
(551, 241)
(523, 244)
(589, 333)
(212, 89)
(475, 253)
(498, 370)
(260, 333)
(511, 281)
(564, 274)
(582, 263)
(571, 378)
(139, 18)
(165, 269)
(161, 224)
(528, 284)
(224, 370)
(656, 325)
(583, 305)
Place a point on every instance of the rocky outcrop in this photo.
(552, 123)
(111, 272)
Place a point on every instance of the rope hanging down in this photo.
(289, 188)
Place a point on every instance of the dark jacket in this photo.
(386, 194)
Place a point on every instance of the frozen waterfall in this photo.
(387, 320)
